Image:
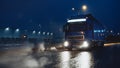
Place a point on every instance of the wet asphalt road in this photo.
(107, 57)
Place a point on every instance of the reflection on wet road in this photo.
(83, 60)
(107, 57)
(75, 59)
(64, 59)
(111, 44)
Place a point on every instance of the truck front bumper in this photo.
(81, 45)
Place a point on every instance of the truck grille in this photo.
(76, 42)
(81, 37)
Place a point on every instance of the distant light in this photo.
(34, 32)
(102, 30)
(99, 31)
(118, 33)
(77, 20)
(7, 29)
(51, 33)
(43, 33)
(24, 36)
(47, 33)
(73, 9)
(84, 7)
(111, 31)
(39, 32)
(86, 17)
(17, 30)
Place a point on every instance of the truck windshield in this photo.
(76, 27)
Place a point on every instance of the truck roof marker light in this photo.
(77, 20)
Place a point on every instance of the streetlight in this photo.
(51, 33)
(16, 33)
(47, 33)
(17, 30)
(73, 9)
(39, 32)
(111, 31)
(7, 29)
(7, 32)
(43, 33)
(34, 32)
(84, 7)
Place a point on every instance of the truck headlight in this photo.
(66, 43)
(85, 45)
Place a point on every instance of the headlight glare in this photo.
(66, 43)
(85, 45)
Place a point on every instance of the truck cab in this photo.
(83, 32)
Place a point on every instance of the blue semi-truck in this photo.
(83, 32)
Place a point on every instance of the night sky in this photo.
(50, 15)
